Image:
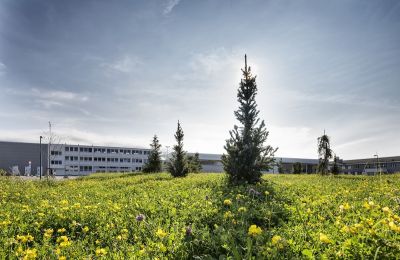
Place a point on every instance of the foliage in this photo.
(335, 167)
(177, 164)
(325, 153)
(148, 216)
(246, 154)
(297, 168)
(154, 163)
(3, 172)
(194, 163)
(280, 167)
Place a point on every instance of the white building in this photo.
(65, 159)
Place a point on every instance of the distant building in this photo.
(66, 159)
(371, 166)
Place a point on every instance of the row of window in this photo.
(372, 165)
(102, 159)
(104, 150)
(56, 162)
(55, 153)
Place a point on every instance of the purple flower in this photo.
(254, 192)
(188, 230)
(140, 217)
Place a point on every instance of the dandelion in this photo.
(101, 251)
(254, 231)
(48, 233)
(85, 229)
(242, 209)
(160, 233)
(227, 202)
(344, 207)
(386, 210)
(30, 253)
(278, 241)
(140, 217)
(62, 258)
(61, 230)
(324, 238)
(228, 214)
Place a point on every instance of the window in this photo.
(67, 149)
(56, 162)
(55, 152)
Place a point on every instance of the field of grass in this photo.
(156, 216)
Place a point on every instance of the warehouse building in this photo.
(66, 159)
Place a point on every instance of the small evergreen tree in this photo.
(154, 163)
(194, 163)
(325, 153)
(246, 154)
(177, 164)
(335, 166)
(296, 168)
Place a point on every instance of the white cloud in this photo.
(126, 64)
(170, 4)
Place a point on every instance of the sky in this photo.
(117, 72)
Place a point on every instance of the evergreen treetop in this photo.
(154, 163)
(246, 155)
(177, 164)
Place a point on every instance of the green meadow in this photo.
(149, 216)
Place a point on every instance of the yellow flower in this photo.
(30, 253)
(254, 230)
(160, 233)
(242, 209)
(266, 193)
(386, 210)
(48, 233)
(324, 238)
(61, 230)
(162, 247)
(86, 229)
(227, 202)
(344, 206)
(228, 214)
(101, 251)
(62, 258)
(278, 241)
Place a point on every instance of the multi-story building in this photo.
(370, 166)
(84, 159)
(66, 159)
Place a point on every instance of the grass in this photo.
(155, 216)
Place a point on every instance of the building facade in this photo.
(66, 159)
(371, 166)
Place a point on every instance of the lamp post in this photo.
(40, 158)
(377, 164)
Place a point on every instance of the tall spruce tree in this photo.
(246, 155)
(154, 160)
(177, 164)
(335, 167)
(325, 153)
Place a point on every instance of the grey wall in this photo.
(14, 153)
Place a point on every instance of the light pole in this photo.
(40, 158)
(377, 164)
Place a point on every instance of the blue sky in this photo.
(117, 72)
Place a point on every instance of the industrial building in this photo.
(75, 160)
(66, 159)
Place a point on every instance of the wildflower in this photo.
(62, 258)
(162, 247)
(324, 238)
(242, 209)
(227, 202)
(266, 193)
(278, 241)
(386, 210)
(394, 227)
(30, 253)
(61, 230)
(228, 214)
(160, 233)
(254, 230)
(140, 217)
(86, 229)
(101, 251)
(188, 231)
(64, 241)
(254, 192)
(48, 233)
(344, 206)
